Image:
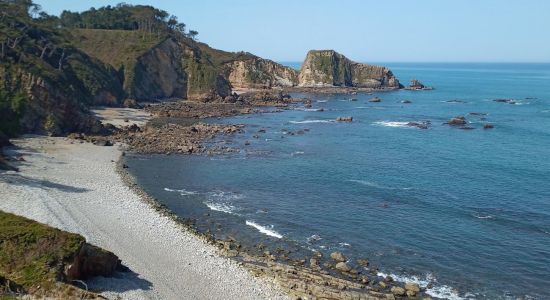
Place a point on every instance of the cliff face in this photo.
(159, 73)
(155, 67)
(256, 72)
(330, 68)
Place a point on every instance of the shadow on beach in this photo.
(21, 180)
(120, 282)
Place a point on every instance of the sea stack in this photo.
(328, 68)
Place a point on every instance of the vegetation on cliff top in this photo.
(38, 63)
(31, 254)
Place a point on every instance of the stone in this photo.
(412, 287)
(488, 126)
(342, 267)
(398, 291)
(457, 121)
(375, 100)
(406, 101)
(92, 261)
(363, 262)
(338, 256)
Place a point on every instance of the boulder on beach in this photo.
(342, 267)
(338, 256)
(344, 119)
(398, 291)
(412, 287)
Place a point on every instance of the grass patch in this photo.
(32, 255)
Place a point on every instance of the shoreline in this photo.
(76, 187)
(300, 276)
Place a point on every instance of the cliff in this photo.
(154, 67)
(327, 68)
(249, 71)
(39, 260)
(46, 84)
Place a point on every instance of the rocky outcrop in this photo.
(47, 105)
(327, 68)
(159, 73)
(91, 261)
(42, 261)
(256, 72)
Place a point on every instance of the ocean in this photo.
(467, 210)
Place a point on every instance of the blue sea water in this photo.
(468, 210)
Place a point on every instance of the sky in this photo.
(366, 31)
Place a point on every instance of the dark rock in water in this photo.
(363, 262)
(344, 119)
(406, 101)
(466, 128)
(353, 99)
(338, 256)
(478, 114)
(488, 126)
(456, 101)
(124, 166)
(422, 125)
(342, 267)
(416, 85)
(509, 101)
(457, 121)
(375, 100)
(261, 131)
(247, 143)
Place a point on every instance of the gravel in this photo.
(75, 187)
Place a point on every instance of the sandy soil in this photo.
(75, 187)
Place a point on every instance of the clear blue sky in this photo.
(396, 30)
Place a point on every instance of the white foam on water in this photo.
(182, 191)
(222, 207)
(297, 153)
(392, 124)
(265, 230)
(437, 291)
(344, 244)
(482, 216)
(368, 183)
(314, 238)
(322, 101)
(311, 121)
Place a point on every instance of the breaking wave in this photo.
(265, 230)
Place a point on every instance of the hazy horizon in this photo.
(465, 31)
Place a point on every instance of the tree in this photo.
(193, 34)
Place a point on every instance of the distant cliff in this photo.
(256, 72)
(323, 68)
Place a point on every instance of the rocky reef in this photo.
(328, 68)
